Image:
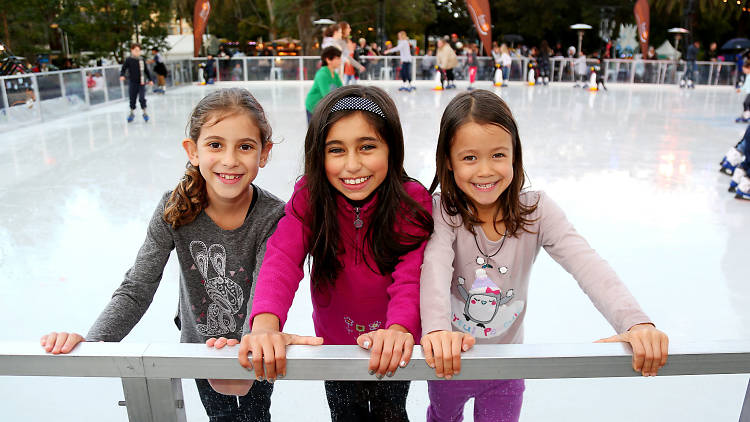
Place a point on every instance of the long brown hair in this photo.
(189, 198)
(384, 242)
(485, 108)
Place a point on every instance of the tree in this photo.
(113, 23)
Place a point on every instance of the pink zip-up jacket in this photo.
(361, 300)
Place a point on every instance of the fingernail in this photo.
(448, 377)
(367, 344)
(431, 365)
(282, 375)
(389, 374)
(271, 380)
(440, 375)
(379, 376)
(260, 378)
(403, 364)
(456, 372)
(465, 347)
(371, 371)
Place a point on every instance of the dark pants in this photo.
(255, 406)
(406, 72)
(744, 148)
(367, 401)
(746, 103)
(137, 91)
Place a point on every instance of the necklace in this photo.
(476, 242)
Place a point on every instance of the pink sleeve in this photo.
(594, 275)
(403, 306)
(281, 270)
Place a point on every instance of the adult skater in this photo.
(138, 76)
(745, 117)
(446, 61)
(737, 163)
(543, 61)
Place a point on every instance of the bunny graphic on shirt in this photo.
(226, 295)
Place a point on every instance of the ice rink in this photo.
(635, 168)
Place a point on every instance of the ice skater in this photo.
(161, 71)
(745, 117)
(229, 141)
(446, 62)
(404, 50)
(736, 163)
(477, 263)
(326, 79)
(138, 75)
(364, 223)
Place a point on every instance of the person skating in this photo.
(138, 76)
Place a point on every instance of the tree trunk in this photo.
(5, 30)
(272, 21)
(304, 26)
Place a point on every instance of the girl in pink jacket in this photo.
(364, 223)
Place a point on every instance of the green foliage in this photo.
(102, 27)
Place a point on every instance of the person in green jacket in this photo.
(326, 78)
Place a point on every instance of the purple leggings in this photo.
(494, 400)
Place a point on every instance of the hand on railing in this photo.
(389, 349)
(268, 347)
(228, 387)
(57, 343)
(442, 351)
(650, 347)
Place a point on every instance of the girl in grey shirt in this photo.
(218, 222)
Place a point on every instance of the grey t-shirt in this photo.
(218, 270)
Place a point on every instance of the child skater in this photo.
(404, 50)
(475, 276)
(326, 79)
(364, 223)
(138, 76)
(218, 222)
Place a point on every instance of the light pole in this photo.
(63, 40)
(677, 35)
(580, 27)
(134, 4)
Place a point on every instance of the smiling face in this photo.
(356, 157)
(228, 154)
(481, 158)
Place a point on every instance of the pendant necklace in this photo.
(485, 262)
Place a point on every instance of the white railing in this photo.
(35, 97)
(151, 373)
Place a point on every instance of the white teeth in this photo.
(355, 181)
(485, 186)
(229, 176)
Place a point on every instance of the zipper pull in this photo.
(357, 221)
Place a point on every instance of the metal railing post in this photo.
(37, 100)
(106, 88)
(85, 88)
(165, 397)
(301, 69)
(244, 68)
(62, 85)
(137, 400)
(745, 412)
(5, 97)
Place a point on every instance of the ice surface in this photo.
(635, 169)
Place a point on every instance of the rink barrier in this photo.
(36, 97)
(151, 373)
